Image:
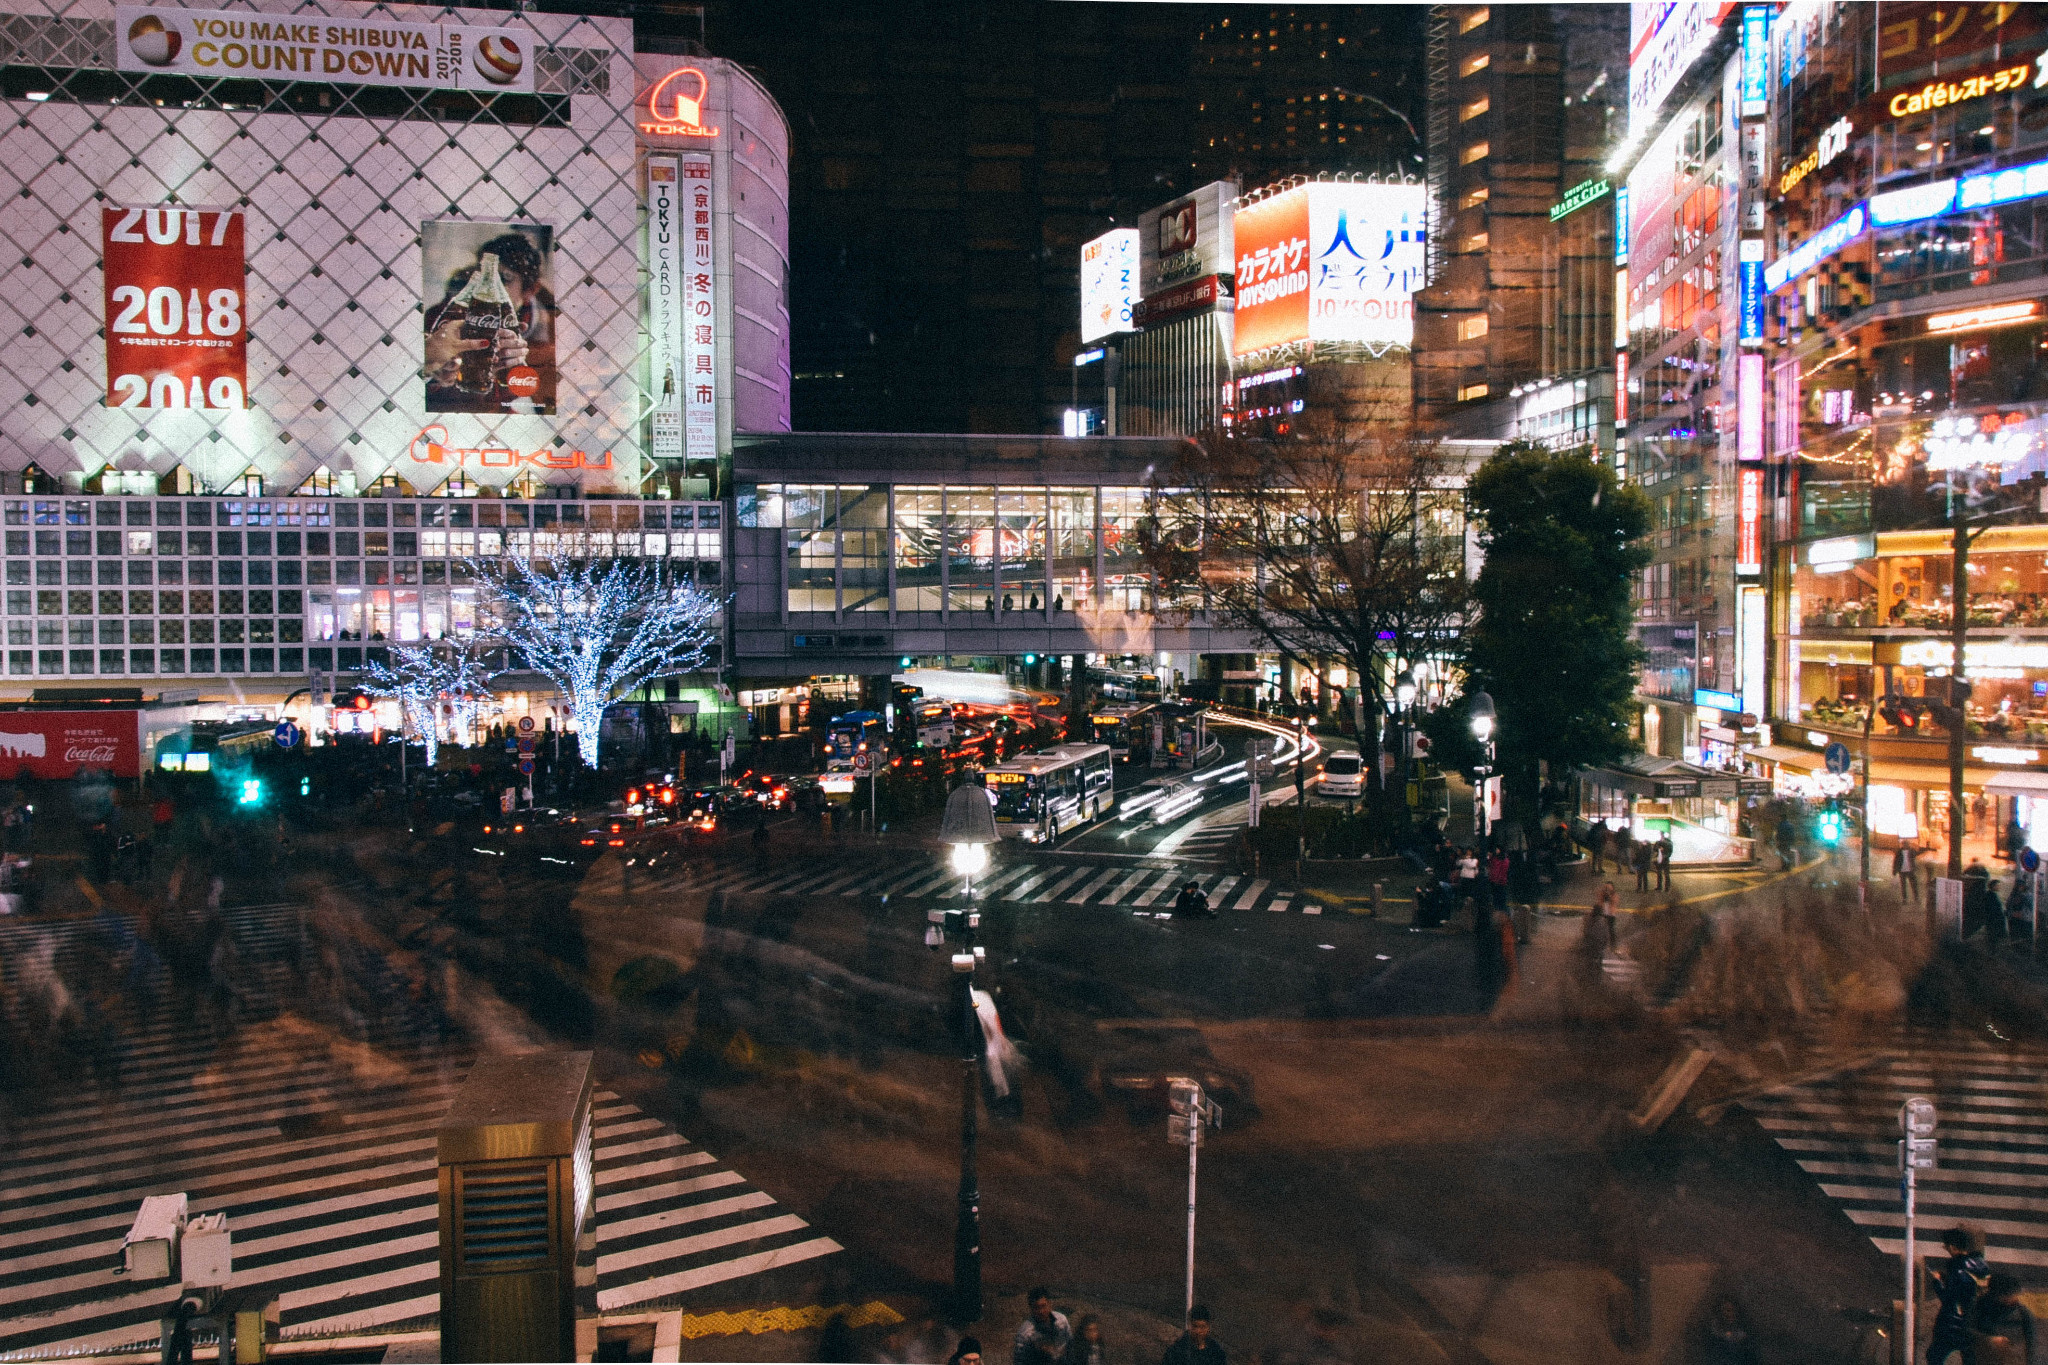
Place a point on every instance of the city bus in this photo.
(1037, 796)
(848, 735)
(1122, 728)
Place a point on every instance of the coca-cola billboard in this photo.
(66, 743)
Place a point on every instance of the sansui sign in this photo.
(1109, 283)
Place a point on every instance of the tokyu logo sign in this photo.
(675, 106)
(431, 447)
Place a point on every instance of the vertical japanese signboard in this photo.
(1272, 272)
(665, 306)
(1749, 519)
(177, 336)
(1756, 60)
(700, 274)
(1749, 406)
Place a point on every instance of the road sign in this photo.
(2029, 859)
(863, 765)
(526, 725)
(1917, 1117)
(286, 734)
(526, 767)
(526, 743)
(1177, 1131)
(1836, 756)
(1918, 1153)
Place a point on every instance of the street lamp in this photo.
(1484, 723)
(968, 830)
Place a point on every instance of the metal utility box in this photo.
(517, 1188)
(205, 1253)
(150, 1250)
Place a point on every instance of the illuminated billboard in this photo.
(1109, 283)
(1330, 263)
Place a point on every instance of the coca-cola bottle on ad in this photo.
(485, 307)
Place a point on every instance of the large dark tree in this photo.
(1552, 642)
(1340, 541)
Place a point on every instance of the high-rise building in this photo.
(946, 170)
(1286, 90)
(1523, 105)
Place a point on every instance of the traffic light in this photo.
(252, 793)
(305, 786)
(1030, 659)
(1904, 714)
(1829, 826)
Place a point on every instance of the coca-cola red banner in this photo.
(65, 743)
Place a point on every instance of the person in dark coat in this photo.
(2002, 1328)
(1958, 1282)
(1196, 1346)
(1727, 1338)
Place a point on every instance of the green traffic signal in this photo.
(1830, 827)
(252, 793)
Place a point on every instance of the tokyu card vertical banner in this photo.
(175, 327)
(665, 306)
(700, 273)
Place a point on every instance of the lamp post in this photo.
(1484, 725)
(1404, 709)
(968, 831)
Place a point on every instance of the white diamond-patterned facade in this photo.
(349, 192)
(378, 222)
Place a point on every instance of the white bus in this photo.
(1039, 795)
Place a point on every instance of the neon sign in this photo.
(431, 447)
(683, 116)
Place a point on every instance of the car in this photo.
(772, 793)
(1138, 1066)
(1343, 776)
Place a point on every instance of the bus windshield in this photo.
(1016, 795)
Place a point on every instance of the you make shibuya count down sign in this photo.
(162, 40)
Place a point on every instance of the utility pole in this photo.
(1300, 794)
(1959, 695)
(1192, 1113)
(1916, 1154)
(960, 926)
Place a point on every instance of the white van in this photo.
(1343, 776)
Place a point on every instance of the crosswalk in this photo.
(1147, 888)
(1993, 1142)
(320, 1148)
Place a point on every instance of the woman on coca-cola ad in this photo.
(490, 340)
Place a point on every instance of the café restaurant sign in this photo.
(431, 447)
(1992, 79)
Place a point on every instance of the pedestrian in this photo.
(1009, 602)
(1665, 848)
(1641, 856)
(2015, 837)
(988, 604)
(1598, 935)
(1959, 1281)
(1191, 903)
(1497, 878)
(1906, 871)
(1195, 1346)
(1596, 844)
(2002, 1328)
(1044, 1335)
(1467, 873)
(1727, 1338)
(1088, 1347)
(1525, 889)
(968, 1352)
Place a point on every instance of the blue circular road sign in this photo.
(286, 734)
(2029, 860)
(1836, 756)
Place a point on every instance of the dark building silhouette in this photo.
(950, 159)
